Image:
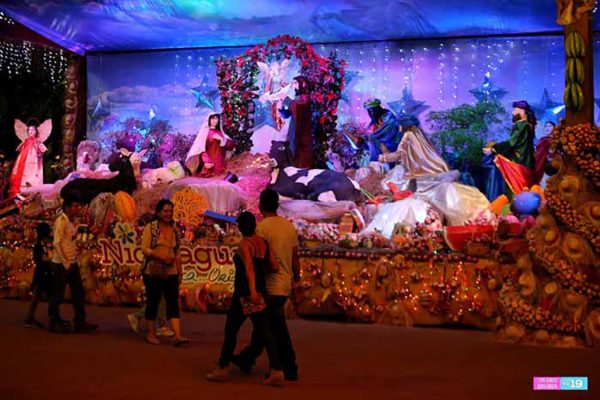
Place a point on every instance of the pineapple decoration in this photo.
(555, 297)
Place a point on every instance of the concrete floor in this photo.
(337, 361)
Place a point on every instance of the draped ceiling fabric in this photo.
(122, 25)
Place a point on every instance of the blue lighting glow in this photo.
(409, 76)
(103, 25)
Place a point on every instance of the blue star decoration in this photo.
(407, 104)
(488, 91)
(548, 110)
(206, 96)
(349, 78)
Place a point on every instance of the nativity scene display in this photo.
(483, 214)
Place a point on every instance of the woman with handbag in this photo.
(162, 271)
(252, 261)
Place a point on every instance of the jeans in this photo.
(235, 320)
(278, 326)
(60, 277)
(156, 288)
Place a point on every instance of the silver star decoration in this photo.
(488, 91)
(407, 104)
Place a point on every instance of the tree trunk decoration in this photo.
(69, 120)
(555, 298)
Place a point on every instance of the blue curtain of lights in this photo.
(424, 76)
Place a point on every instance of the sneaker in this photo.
(288, 376)
(276, 378)
(33, 323)
(84, 327)
(243, 365)
(152, 340)
(164, 331)
(218, 375)
(134, 323)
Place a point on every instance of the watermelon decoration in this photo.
(457, 237)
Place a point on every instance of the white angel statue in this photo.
(28, 170)
(274, 75)
(276, 88)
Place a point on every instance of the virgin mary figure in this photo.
(208, 154)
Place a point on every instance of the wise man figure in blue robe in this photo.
(384, 128)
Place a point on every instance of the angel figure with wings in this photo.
(274, 77)
(28, 170)
(276, 88)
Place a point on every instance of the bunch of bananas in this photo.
(575, 71)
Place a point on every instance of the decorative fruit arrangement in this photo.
(574, 220)
(518, 309)
(321, 232)
(575, 72)
(581, 143)
(457, 236)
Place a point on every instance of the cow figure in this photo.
(308, 184)
(85, 189)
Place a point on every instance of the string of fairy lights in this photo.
(444, 288)
(439, 72)
(552, 68)
(525, 69)
(18, 57)
(442, 73)
(6, 19)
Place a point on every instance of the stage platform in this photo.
(337, 361)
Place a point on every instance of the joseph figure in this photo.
(515, 157)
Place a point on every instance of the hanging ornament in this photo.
(488, 91)
(407, 104)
